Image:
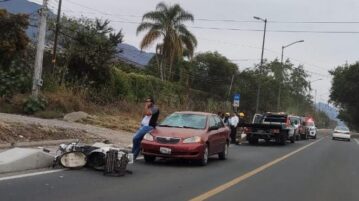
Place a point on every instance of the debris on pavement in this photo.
(99, 156)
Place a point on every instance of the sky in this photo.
(225, 26)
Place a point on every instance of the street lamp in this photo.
(261, 66)
(281, 63)
(315, 91)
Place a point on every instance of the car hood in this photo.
(176, 132)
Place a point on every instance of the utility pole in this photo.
(230, 87)
(37, 81)
(261, 65)
(56, 35)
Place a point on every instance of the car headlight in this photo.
(194, 139)
(148, 137)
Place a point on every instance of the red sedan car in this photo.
(187, 135)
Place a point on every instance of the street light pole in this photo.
(261, 65)
(281, 77)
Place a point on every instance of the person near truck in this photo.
(233, 122)
(241, 127)
(226, 119)
(148, 123)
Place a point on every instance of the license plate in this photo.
(260, 131)
(165, 150)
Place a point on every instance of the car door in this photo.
(213, 135)
(222, 133)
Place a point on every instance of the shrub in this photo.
(33, 105)
(15, 79)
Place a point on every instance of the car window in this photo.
(219, 122)
(275, 118)
(211, 121)
(342, 128)
(184, 121)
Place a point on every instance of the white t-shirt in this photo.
(146, 120)
(233, 121)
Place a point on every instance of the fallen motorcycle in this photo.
(113, 161)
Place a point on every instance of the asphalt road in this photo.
(315, 170)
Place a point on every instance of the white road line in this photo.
(29, 174)
(357, 141)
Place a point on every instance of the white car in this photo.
(310, 129)
(341, 132)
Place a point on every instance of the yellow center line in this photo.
(239, 179)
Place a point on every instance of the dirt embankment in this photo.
(18, 128)
(17, 132)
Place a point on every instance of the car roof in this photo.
(195, 112)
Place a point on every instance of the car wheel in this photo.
(282, 139)
(315, 137)
(333, 138)
(204, 160)
(223, 155)
(149, 159)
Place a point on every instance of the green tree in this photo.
(13, 36)
(89, 49)
(344, 93)
(212, 72)
(166, 23)
(15, 54)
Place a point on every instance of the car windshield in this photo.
(180, 120)
(341, 128)
(309, 123)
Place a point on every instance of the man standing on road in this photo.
(148, 123)
(233, 122)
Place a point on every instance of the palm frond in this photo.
(149, 38)
(183, 16)
(155, 16)
(148, 25)
(162, 6)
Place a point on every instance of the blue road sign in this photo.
(236, 100)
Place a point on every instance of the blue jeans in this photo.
(137, 138)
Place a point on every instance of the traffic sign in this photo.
(236, 100)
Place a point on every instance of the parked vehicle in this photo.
(297, 124)
(187, 135)
(341, 132)
(271, 126)
(310, 129)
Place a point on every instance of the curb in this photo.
(36, 143)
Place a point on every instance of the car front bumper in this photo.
(185, 151)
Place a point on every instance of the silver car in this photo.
(341, 132)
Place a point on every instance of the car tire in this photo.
(149, 159)
(333, 138)
(315, 137)
(223, 155)
(282, 139)
(205, 156)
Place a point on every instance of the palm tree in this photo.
(166, 23)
